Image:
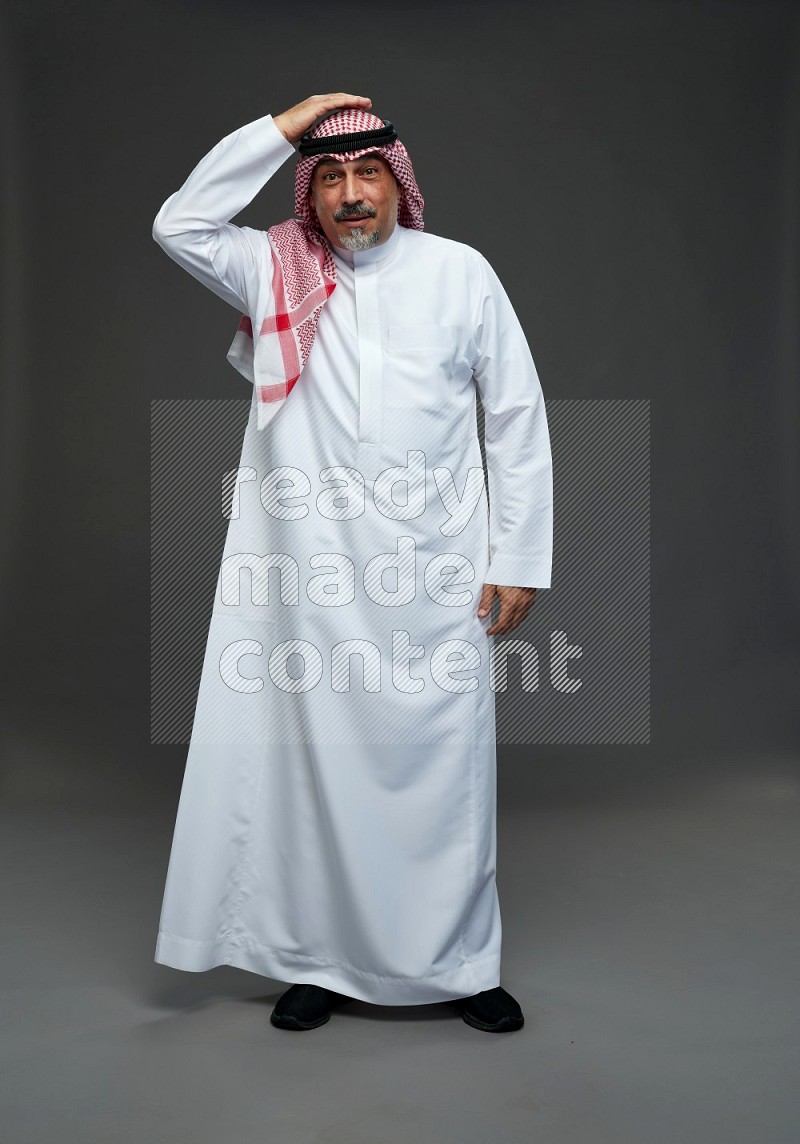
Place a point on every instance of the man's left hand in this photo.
(515, 603)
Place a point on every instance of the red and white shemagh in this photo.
(304, 269)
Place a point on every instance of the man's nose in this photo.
(351, 191)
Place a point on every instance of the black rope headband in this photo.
(355, 141)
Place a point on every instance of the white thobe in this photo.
(336, 823)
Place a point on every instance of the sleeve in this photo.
(193, 225)
(517, 442)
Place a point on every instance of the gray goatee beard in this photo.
(357, 240)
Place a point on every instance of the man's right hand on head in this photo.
(294, 123)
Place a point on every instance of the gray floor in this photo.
(650, 933)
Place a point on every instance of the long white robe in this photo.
(333, 834)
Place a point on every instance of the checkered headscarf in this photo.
(304, 269)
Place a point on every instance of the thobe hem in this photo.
(459, 981)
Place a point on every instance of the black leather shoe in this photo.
(305, 1007)
(493, 1010)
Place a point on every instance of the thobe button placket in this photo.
(370, 374)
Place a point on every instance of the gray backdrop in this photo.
(631, 171)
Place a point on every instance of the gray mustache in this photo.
(353, 212)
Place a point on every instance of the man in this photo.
(337, 830)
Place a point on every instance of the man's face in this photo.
(356, 202)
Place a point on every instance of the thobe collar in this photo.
(374, 254)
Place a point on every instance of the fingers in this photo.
(485, 603)
(515, 603)
(338, 100)
(342, 99)
(297, 120)
(506, 618)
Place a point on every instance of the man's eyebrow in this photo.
(364, 159)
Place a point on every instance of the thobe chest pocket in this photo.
(418, 365)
